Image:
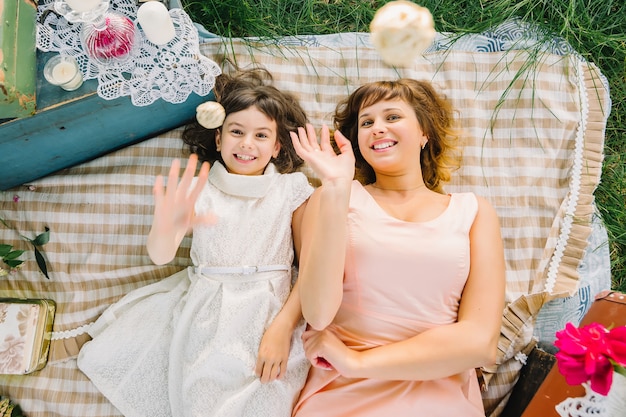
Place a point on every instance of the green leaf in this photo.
(619, 369)
(17, 411)
(4, 249)
(42, 239)
(41, 262)
(13, 255)
(13, 263)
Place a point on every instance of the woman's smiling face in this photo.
(247, 141)
(389, 132)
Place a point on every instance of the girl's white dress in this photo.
(187, 345)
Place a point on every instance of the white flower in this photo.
(210, 114)
(402, 30)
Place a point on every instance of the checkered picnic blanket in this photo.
(533, 121)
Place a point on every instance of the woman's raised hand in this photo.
(321, 157)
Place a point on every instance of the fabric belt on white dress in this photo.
(243, 270)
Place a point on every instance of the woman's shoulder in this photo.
(463, 204)
(478, 204)
(469, 196)
(466, 197)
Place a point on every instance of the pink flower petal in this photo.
(572, 347)
(601, 381)
(573, 376)
(617, 342)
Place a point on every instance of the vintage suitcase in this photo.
(609, 309)
(25, 331)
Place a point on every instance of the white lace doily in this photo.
(172, 71)
(596, 405)
(591, 405)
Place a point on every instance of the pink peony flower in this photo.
(591, 354)
(617, 341)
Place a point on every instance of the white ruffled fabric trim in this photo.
(575, 184)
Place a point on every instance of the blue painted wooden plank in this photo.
(74, 127)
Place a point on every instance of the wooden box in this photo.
(25, 332)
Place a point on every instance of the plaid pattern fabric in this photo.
(533, 137)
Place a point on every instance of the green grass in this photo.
(595, 28)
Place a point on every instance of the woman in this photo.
(402, 285)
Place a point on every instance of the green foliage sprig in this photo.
(38, 241)
(10, 256)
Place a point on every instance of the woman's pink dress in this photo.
(401, 278)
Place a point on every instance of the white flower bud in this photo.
(402, 30)
(210, 114)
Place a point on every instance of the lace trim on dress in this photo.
(255, 186)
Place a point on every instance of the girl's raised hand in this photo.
(174, 204)
(321, 157)
(174, 214)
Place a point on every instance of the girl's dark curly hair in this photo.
(434, 114)
(240, 91)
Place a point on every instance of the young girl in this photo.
(221, 338)
(401, 283)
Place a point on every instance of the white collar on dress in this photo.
(254, 186)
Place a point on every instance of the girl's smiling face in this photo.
(247, 141)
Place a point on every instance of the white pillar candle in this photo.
(63, 71)
(83, 5)
(156, 23)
